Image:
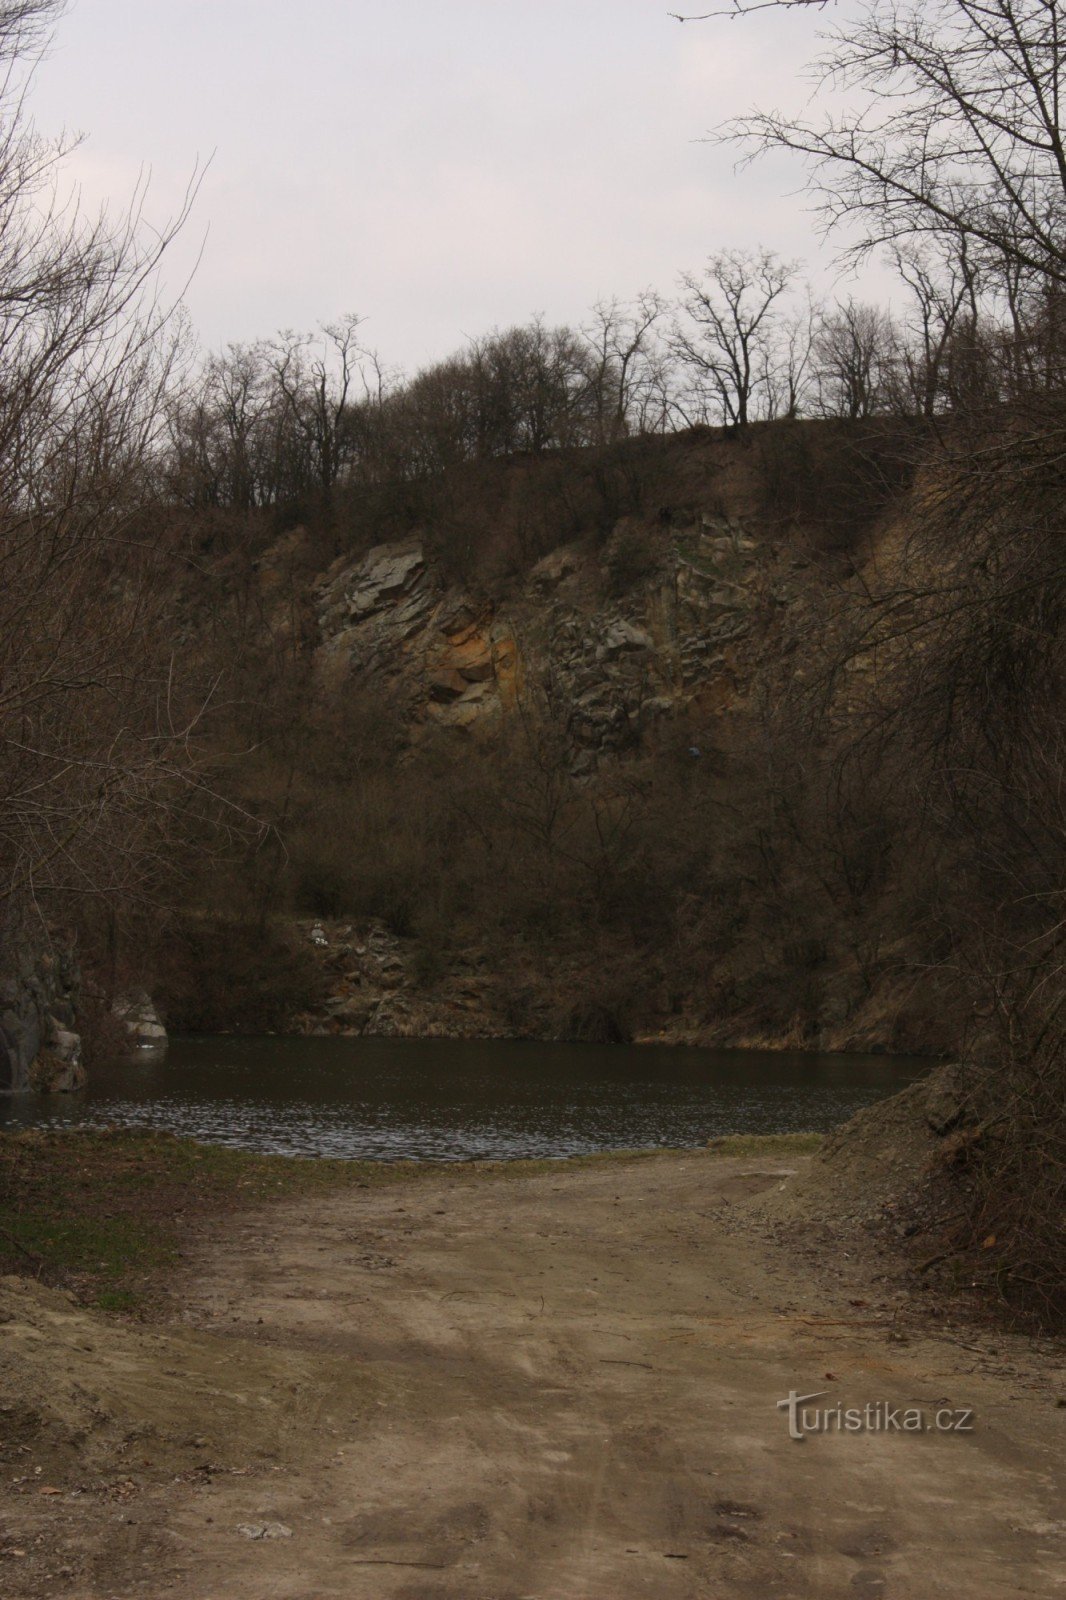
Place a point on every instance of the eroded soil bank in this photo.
(558, 1382)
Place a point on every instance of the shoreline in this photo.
(549, 1378)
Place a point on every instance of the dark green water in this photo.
(447, 1100)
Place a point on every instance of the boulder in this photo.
(49, 1074)
(623, 636)
(478, 670)
(445, 684)
(351, 1012)
(38, 991)
(386, 572)
(64, 1043)
(554, 567)
(456, 616)
(142, 1021)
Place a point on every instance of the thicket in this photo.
(950, 152)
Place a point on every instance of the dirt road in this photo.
(562, 1386)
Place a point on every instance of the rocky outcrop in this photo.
(144, 1029)
(39, 1045)
(616, 665)
(54, 1074)
(389, 618)
(379, 985)
(375, 988)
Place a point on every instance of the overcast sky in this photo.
(440, 166)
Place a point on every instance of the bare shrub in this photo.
(223, 975)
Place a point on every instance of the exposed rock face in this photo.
(141, 1019)
(388, 575)
(38, 993)
(377, 987)
(54, 1074)
(389, 618)
(617, 666)
(375, 990)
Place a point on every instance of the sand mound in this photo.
(82, 1396)
(879, 1158)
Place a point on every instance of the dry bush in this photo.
(947, 678)
(1010, 1169)
(223, 975)
(834, 479)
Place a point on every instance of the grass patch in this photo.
(117, 1301)
(103, 1246)
(106, 1213)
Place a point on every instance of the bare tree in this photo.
(25, 25)
(951, 143)
(532, 389)
(314, 375)
(854, 351)
(98, 731)
(788, 363)
(944, 299)
(725, 333)
(625, 364)
(952, 130)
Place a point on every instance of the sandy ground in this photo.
(561, 1385)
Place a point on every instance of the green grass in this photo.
(106, 1213)
(118, 1301)
(102, 1246)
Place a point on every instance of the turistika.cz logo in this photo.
(876, 1416)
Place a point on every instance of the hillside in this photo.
(541, 788)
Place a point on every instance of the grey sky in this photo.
(441, 166)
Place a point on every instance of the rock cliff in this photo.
(39, 1045)
(564, 789)
(680, 638)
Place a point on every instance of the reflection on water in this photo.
(448, 1100)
